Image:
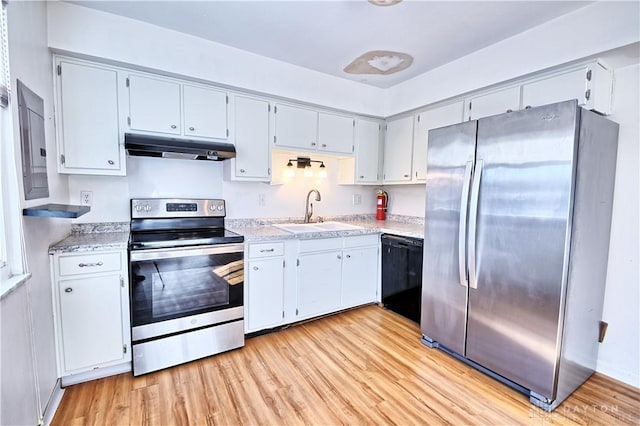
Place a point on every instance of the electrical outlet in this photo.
(86, 198)
(357, 199)
(261, 201)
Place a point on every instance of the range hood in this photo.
(163, 147)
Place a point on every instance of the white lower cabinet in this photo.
(91, 321)
(319, 282)
(91, 296)
(359, 276)
(265, 286)
(336, 273)
(290, 281)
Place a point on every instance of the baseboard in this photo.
(98, 373)
(631, 378)
(53, 404)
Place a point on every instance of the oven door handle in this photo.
(169, 253)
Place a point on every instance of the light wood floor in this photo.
(365, 366)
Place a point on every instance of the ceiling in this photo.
(326, 36)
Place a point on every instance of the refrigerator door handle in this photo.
(473, 219)
(462, 227)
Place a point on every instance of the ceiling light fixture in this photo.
(379, 62)
(384, 2)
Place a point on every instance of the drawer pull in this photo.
(348, 256)
(255, 268)
(267, 250)
(89, 265)
(339, 257)
(68, 290)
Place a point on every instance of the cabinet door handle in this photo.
(313, 144)
(85, 265)
(324, 145)
(406, 176)
(509, 110)
(68, 290)
(361, 177)
(267, 250)
(527, 107)
(255, 268)
(348, 256)
(192, 128)
(242, 170)
(339, 257)
(173, 126)
(110, 162)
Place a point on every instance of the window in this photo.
(4, 124)
(13, 266)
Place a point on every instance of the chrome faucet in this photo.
(308, 207)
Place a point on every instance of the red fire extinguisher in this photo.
(382, 200)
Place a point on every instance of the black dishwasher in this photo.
(402, 275)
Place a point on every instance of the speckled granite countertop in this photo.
(115, 236)
(94, 237)
(263, 230)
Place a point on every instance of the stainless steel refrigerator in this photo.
(517, 221)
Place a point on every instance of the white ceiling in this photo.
(327, 35)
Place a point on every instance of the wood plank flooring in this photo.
(364, 366)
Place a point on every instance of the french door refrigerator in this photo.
(517, 221)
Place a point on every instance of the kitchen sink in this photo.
(336, 226)
(299, 228)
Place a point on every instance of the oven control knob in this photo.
(220, 207)
(137, 207)
(147, 208)
(212, 207)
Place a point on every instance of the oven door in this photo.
(179, 289)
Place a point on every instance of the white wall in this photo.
(30, 62)
(587, 31)
(153, 177)
(78, 29)
(619, 354)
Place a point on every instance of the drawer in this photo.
(362, 240)
(89, 263)
(320, 244)
(257, 251)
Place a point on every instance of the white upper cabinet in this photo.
(307, 129)
(205, 112)
(426, 120)
(335, 133)
(590, 84)
(154, 105)
(251, 136)
(295, 127)
(367, 155)
(88, 132)
(397, 150)
(493, 103)
(170, 107)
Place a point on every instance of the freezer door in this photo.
(450, 158)
(518, 259)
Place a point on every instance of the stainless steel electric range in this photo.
(187, 277)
